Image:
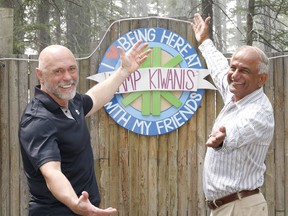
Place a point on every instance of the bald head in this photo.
(257, 55)
(52, 54)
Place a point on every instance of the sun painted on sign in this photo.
(162, 95)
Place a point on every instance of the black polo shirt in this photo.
(47, 134)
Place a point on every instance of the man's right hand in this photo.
(62, 190)
(84, 207)
(216, 139)
(201, 28)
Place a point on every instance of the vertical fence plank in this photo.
(192, 178)
(14, 146)
(152, 176)
(104, 177)
(134, 172)
(23, 100)
(201, 150)
(285, 129)
(269, 191)
(279, 134)
(163, 176)
(143, 175)
(114, 162)
(5, 126)
(93, 120)
(172, 172)
(123, 164)
(182, 193)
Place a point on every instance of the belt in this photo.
(213, 204)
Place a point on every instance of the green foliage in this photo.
(92, 18)
(270, 23)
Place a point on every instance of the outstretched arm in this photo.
(216, 62)
(63, 191)
(130, 62)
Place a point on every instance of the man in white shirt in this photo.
(237, 146)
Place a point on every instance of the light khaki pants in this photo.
(254, 205)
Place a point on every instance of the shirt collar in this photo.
(48, 102)
(255, 95)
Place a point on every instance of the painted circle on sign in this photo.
(154, 113)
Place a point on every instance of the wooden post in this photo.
(6, 47)
(6, 31)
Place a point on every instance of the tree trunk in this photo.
(6, 4)
(207, 10)
(218, 25)
(6, 37)
(18, 21)
(44, 38)
(78, 26)
(250, 19)
(239, 18)
(267, 29)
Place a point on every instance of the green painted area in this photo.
(154, 60)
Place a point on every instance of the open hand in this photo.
(201, 27)
(85, 207)
(216, 139)
(132, 60)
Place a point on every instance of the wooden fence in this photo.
(140, 175)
